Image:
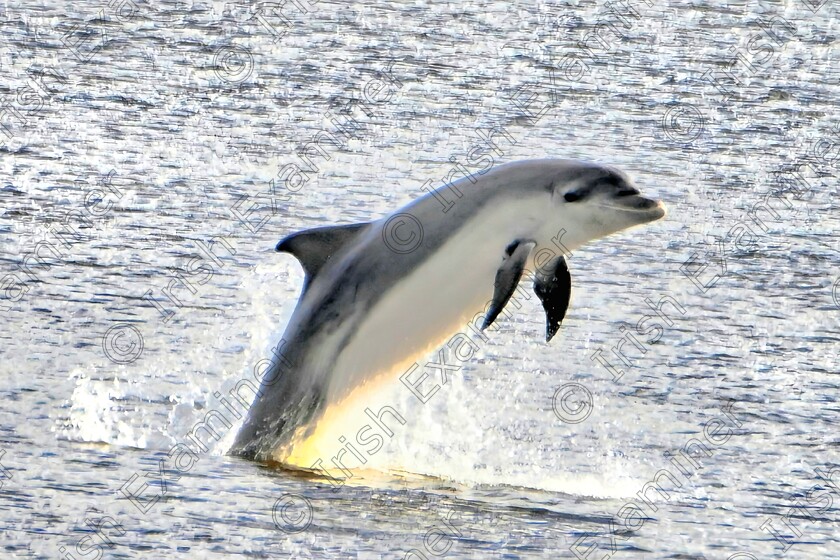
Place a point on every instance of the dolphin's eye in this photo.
(572, 196)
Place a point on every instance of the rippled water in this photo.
(139, 282)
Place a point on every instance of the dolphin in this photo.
(378, 293)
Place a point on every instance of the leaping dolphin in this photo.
(380, 292)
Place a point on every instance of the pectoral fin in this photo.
(507, 278)
(554, 288)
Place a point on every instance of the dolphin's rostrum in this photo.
(378, 293)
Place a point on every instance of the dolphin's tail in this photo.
(278, 412)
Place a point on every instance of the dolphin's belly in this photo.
(429, 303)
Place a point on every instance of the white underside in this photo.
(437, 299)
(413, 317)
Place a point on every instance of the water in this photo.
(135, 133)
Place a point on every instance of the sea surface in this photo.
(688, 408)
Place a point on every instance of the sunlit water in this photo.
(139, 139)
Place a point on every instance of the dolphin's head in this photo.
(599, 200)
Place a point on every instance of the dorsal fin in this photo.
(314, 247)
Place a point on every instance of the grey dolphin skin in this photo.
(380, 292)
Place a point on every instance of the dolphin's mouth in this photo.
(643, 207)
